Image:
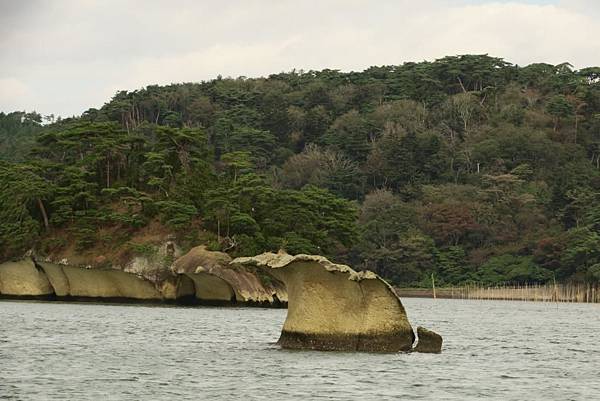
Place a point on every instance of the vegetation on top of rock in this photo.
(467, 167)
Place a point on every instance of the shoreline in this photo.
(138, 301)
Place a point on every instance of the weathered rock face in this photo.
(69, 281)
(23, 279)
(198, 265)
(108, 283)
(199, 277)
(57, 277)
(177, 288)
(28, 279)
(216, 280)
(332, 307)
(211, 289)
(155, 266)
(429, 342)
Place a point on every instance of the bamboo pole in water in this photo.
(549, 292)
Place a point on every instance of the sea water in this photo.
(499, 350)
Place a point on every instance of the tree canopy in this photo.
(467, 167)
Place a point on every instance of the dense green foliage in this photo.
(467, 167)
(17, 134)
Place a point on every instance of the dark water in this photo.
(492, 350)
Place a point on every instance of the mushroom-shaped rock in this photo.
(429, 342)
(332, 307)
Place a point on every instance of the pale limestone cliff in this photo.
(199, 277)
(70, 281)
(108, 283)
(211, 289)
(23, 279)
(177, 288)
(213, 269)
(57, 277)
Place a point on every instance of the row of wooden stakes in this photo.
(576, 292)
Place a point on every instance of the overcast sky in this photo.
(66, 56)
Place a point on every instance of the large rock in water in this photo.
(332, 307)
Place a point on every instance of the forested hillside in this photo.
(468, 167)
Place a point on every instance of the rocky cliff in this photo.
(244, 284)
(76, 282)
(198, 277)
(24, 278)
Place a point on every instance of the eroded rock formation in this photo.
(198, 277)
(24, 278)
(228, 282)
(332, 307)
(76, 282)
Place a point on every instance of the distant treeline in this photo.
(467, 167)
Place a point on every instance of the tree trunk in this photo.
(107, 173)
(219, 230)
(228, 221)
(44, 214)
(483, 100)
(461, 85)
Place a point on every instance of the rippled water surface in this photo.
(492, 350)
